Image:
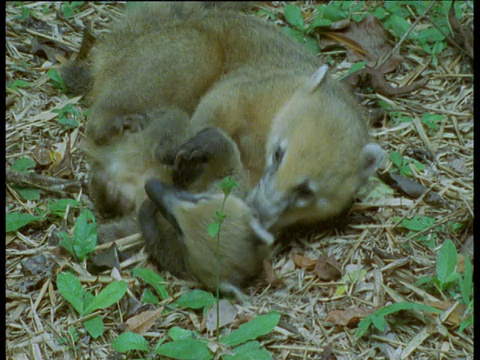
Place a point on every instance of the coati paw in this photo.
(118, 125)
(108, 197)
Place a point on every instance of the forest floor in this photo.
(393, 248)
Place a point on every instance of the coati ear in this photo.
(262, 233)
(372, 156)
(316, 79)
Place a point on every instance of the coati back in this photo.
(301, 138)
(244, 244)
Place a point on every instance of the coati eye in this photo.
(278, 155)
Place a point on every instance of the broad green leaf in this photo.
(28, 194)
(17, 220)
(466, 283)
(333, 12)
(418, 223)
(59, 207)
(248, 351)
(295, 34)
(379, 322)
(446, 261)
(107, 297)
(259, 326)
(196, 299)
(56, 78)
(294, 16)
(398, 24)
(23, 164)
(149, 297)
(85, 234)
(357, 66)
(66, 242)
(185, 349)
(312, 45)
(130, 341)
(94, 326)
(152, 279)
(396, 158)
(319, 23)
(71, 289)
(228, 185)
(213, 229)
(177, 333)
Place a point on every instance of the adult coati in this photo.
(301, 138)
(244, 244)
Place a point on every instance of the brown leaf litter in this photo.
(379, 261)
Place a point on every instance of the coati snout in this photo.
(244, 244)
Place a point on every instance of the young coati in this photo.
(302, 140)
(244, 244)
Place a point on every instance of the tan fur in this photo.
(243, 245)
(245, 77)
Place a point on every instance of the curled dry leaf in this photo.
(328, 269)
(103, 261)
(41, 154)
(348, 317)
(142, 322)
(455, 316)
(366, 40)
(228, 314)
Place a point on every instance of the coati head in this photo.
(318, 154)
(244, 244)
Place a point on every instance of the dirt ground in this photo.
(378, 258)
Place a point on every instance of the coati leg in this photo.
(160, 240)
(210, 150)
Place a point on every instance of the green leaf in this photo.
(154, 280)
(379, 322)
(418, 223)
(446, 261)
(23, 164)
(59, 207)
(466, 283)
(333, 12)
(396, 158)
(66, 242)
(312, 45)
(431, 120)
(149, 297)
(94, 326)
(294, 34)
(185, 349)
(398, 24)
(130, 341)
(259, 326)
(390, 309)
(71, 289)
(248, 351)
(357, 66)
(57, 80)
(196, 299)
(466, 323)
(319, 23)
(28, 194)
(85, 234)
(177, 333)
(228, 185)
(17, 220)
(107, 297)
(294, 16)
(213, 229)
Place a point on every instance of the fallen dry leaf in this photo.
(228, 314)
(327, 269)
(63, 166)
(348, 317)
(270, 274)
(366, 40)
(455, 316)
(142, 322)
(41, 154)
(303, 262)
(371, 77)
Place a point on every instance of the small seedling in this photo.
(68, 115)
(85, 303)
(403, 163)
(84, 238)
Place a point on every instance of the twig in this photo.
(397, 46)
(42, 182)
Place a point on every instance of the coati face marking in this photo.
(318, 155)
